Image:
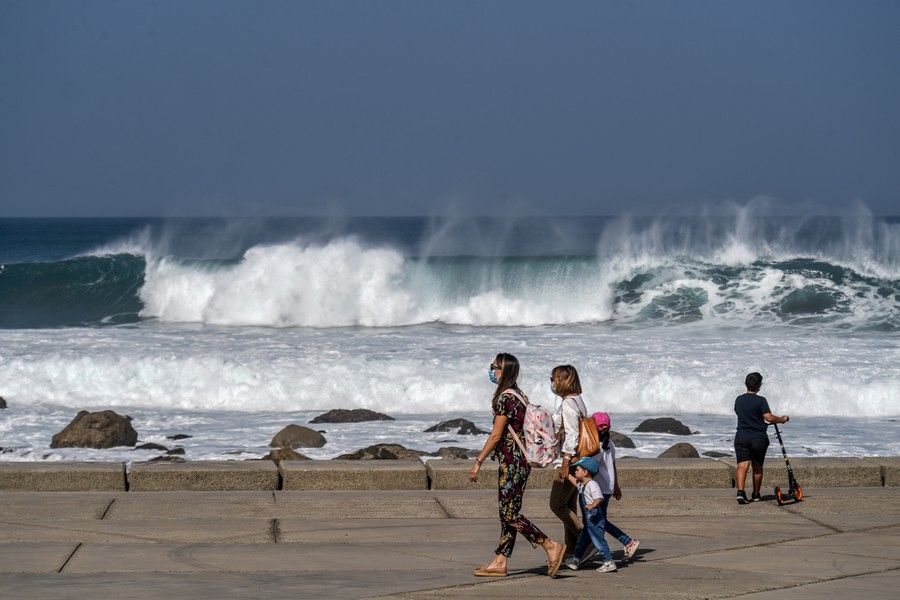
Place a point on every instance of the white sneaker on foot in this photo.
(607, 567)
(572, 563)
(631, 548)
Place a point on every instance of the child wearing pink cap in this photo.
(606, 478)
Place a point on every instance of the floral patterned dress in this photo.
(512, 477)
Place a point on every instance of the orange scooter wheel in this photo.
(779, 498)
(798, 494)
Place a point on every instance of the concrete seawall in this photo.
(323, 475)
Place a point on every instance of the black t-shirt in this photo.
(749, 409)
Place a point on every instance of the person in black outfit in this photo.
(751, 440)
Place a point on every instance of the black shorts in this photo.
(751, 447)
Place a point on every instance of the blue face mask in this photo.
(491, 376)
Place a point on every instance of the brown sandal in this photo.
(554, 567)
(485, 572)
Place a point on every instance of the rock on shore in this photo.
(342, 415)
(2, 402)
(680, 450)
(104, 429)
(663, 425)
(459, 426)
(383, 452)
(281, 454)
(151, 446)
(621, 440)
(455, 452)
(297, 436)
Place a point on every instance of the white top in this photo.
(590, 491)
(565, 418)
(606, 476)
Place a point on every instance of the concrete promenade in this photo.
(695, 543)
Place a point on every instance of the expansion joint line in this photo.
(106, 512)
(63, 566)
(443, 508)
(817, 522)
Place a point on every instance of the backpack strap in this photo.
(515, 435)
(520, 397)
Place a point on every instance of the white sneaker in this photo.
(631, 548)
(607, 567)
(572, 563)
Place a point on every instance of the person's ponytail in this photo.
(604, 439)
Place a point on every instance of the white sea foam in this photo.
(437, 369)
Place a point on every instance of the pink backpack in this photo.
(541, 445)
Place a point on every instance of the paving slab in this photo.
(890, 469)
(143, 531)
(327, 583)
(193, 505)
(225, 475)
(845, 509)
(819, 472)
(173, 558)
(821, 558)
(354, 475)
(413, 504)
(873, 586)
(62, 476)
(481, 534)
(34, 558)
(482, 504)
(44, 505)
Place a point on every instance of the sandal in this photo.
(485, 572)
(553, 568)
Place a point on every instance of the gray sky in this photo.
(383, 108)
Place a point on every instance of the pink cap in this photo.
(602, 420)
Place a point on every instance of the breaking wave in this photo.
(844, 275)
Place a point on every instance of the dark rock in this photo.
(2, 402)
(621, 440)
(176, 452)
(680, 450)
(454, 452)
(810, 450)
(6, 450)
(458, 426)
(167, 458)
(151, 446)
(663, 425)
(342, 415)
(104, 429)
(297, 436)
(280, 454)
(716, 454)
(383, 452)
(178, 436)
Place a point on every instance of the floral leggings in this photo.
(511, 488)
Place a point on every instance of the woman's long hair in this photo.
(509, 373)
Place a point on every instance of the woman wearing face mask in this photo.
(564, 383)
(508, 405)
